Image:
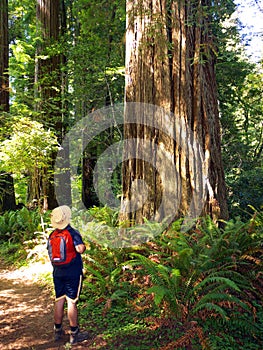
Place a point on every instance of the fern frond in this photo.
(238, 278)
(212, 280)
(95, 273)
(251, 258)
(185, 341)
(222, 300)
(211, 307)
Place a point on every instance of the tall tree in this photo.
(4, 96)
(7, 195)
(48, 79)
(170, 57)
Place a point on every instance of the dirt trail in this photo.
(26, 312)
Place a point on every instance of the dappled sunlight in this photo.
(13, 296)
(26, 309)
(27, 274)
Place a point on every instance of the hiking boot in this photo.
(77, 336)
(74, 336)
(58, 333)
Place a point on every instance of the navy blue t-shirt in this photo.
(76, 265)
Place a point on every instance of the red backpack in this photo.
(61, 249)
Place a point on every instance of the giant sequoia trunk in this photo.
(7, 194)
(170, 64)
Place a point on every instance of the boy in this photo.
(67, 278)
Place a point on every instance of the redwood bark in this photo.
(170, 64)
(50, 85)
(7, 193)
(4, 81)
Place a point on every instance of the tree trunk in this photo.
(170, 66)
(49, 83)
(7, 193)
(4, 81)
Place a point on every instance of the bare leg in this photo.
(72, 313)
(59, 310)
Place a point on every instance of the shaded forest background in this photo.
(60, 74)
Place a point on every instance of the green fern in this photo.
(165, 280)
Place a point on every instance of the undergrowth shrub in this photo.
(23, 236)
(20, 225)
(207, 281)
(200, 289)
(12, 253)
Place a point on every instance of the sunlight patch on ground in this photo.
(28, 273)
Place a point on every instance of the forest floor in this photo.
(26, 312)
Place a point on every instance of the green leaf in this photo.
(159, 293)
